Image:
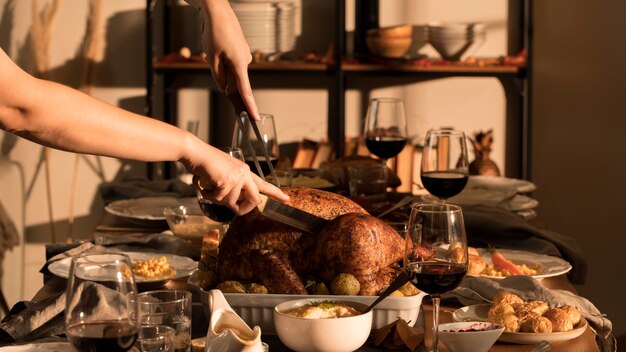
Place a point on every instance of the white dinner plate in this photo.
(184, 266)
(478, 312)
(546, 265)
(43, 347)
(149, 208)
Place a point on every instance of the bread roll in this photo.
(197, 345)
(536, 324)
(573, 312)
(500, 309)
(507, 297)
(560, 320)
(510, 322)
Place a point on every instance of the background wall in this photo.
(579, 118)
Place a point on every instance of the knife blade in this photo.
(286, 214)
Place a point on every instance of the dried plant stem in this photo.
(92, 50)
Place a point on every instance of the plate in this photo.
(547, 265)
(148, 208)
(184, 266)
(479, 312)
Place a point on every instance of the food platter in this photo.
(547, 266)
(184, 266)
(258, 309)
(148, 208)
(40, 347)
(479, 312)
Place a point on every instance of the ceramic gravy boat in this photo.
(227, 331)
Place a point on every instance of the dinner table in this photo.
(114, 226)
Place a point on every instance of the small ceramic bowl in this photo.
(331, 334)
(472, 336)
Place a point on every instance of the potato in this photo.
(256, 288)
(207, 279)
(345, 284)
(409, 290)
(231, 287)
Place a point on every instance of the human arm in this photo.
(60, 117)
(227, 51)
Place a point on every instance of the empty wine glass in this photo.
(267, 129)
(435, 252)
(101, 311)
(385, 127)
(445, 168)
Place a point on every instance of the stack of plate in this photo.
(268, 26)
(452, 40)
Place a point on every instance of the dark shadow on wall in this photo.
(6, 25)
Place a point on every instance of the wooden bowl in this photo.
(390, 47)
(404, 31)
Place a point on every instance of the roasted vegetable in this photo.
(345, 284)
(256, 288)
(231, 287)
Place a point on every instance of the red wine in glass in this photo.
(103, 336)
(216, 212)
(385, 147)
(264, 167)
(434, 277)
(444, 184)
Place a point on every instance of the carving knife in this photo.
(286, 214)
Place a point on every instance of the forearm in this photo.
(63, 118)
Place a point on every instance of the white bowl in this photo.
(472, 336)
(454, 49)
(336, 334)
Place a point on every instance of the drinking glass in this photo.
(435, 257)
(101, 312)
(171, 308)
(267, 129)
(445, 169)
(385, 127)
(216, 212)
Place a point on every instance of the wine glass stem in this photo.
(435, 345)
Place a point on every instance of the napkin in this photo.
(399, 335)
(477, 290)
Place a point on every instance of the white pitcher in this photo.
(227, 331)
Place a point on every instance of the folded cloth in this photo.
(138, 188)
(477, 290)
(499, 228)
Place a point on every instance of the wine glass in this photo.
(267, 129)
(436, 252)
(385, 127)
(216, 212)
(101, 311)
(445, 169)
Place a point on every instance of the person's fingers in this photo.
(245, 90)
(219, 73)
(270, 190)
(251, 198)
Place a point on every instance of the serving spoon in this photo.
(398, 282)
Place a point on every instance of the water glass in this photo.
(368, 181)
(156, 338)
(171, 308)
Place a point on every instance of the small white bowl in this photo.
(333, 334)
(472, 336)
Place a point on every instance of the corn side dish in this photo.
(153, 268)
(491, 270)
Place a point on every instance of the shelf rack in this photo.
(161, 78)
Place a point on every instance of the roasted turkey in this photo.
(282, 258)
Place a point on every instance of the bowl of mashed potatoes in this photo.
(331, 325)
